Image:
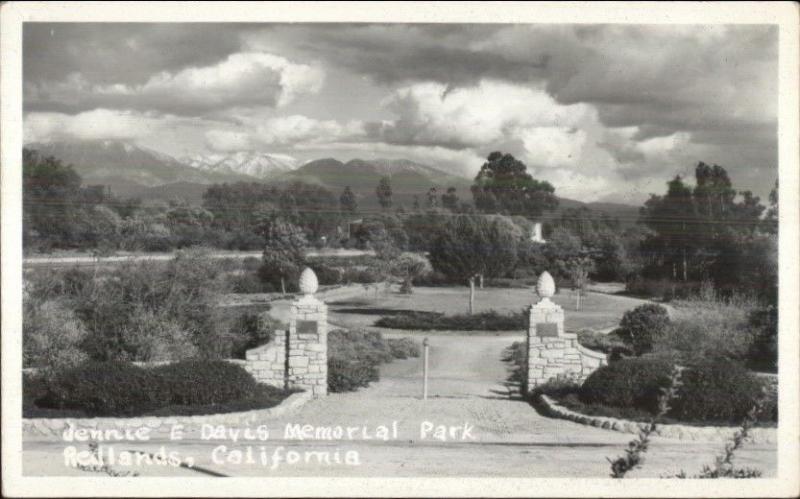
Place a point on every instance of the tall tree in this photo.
(347, 201)
(504, 185)
(284, 253)
(450, 199)
(384, 193)
(468, 246)
(432, 198)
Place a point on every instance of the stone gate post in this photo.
(553, 353)
(307, 353)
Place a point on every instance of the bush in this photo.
(634, 382)
(642, 325)
(610, 344)
(52, 335)
(201, 382)
(763, 351)
(247, 283)
(557, 388)
(327, 275)
(485, 321)
(403, 348)
(717, 390)
(711, 391)
(124, 389)
(354, 357)
(103, 389)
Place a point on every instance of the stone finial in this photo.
(545, 286)
(308, 282)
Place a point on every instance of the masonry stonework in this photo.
(553, 353)
(297, 358)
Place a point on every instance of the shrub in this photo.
(103, 389)
(557, 387)
(201, 382)
(52, 335)
(403, 348)
(426, 321)
(763, 351)
(350, 375)
(124, 389)
(251, 330)
(716, 390)
(610, 343)
(326, 274)
(642, 325)
(634, 382)
(354, 357)
(248, 282)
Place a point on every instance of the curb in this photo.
(673, 431)
(162, 426)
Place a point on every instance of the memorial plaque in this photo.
(546, 329)
(307, 327)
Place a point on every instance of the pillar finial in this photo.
(545, 286)
(308, 282)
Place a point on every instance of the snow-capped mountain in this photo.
(259, 165)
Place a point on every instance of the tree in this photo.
(703, 232)
(504, 186)
(578, 270)
(468, 246)
(407, 267)
(347, 201)
(450, 199)
(284, 253)
(416, 206)
(384, 193)
(433, 199)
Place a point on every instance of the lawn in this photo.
(598, 311)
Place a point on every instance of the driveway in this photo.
(505, 436)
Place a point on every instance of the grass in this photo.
(598, 311)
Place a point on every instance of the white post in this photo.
(425, 369)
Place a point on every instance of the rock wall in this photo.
(553, 353)
(297, 358)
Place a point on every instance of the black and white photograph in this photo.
(458, 243)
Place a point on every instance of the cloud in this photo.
(93, 125)
(228, 141)
(241, 79)
(489, 112)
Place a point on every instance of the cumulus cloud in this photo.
(489, 112)
(241, 79)
(92, 125)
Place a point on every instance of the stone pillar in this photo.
(552, 353)
(307, 354)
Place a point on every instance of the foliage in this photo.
(470, 245)
(102, 389)
(123, 389)
(384, 193)
(634, 454)
(347, 201)
(710, 231)
(610, 343)
(503, 185)
(634, 382)
(763, 351)
(284, 255)
(640, 327)
(51, 334)
(484, 321)
(716, 390)
(407, 267)
(403, 348)
(354, 357)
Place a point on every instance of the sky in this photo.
(603, 112)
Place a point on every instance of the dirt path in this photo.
(506, 436)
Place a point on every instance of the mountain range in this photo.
(131, 170)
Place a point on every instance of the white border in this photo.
(784, 14)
